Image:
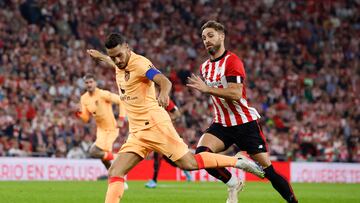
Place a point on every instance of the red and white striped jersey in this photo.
(217, 74)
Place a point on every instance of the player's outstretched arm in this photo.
(165, 87)
(100, 56)
(115, 99)
(232, 92)
(122, 113)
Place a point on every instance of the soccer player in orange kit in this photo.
(97, 103)
(150, 125)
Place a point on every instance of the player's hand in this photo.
(163, 100)
(96, 54)
(78, 108)
(196, 82)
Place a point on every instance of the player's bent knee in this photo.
(262, 159)
(189, 165)
(92, 152)
(114, 171)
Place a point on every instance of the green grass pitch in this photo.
(172, 192)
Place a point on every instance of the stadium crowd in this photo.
(301, 58)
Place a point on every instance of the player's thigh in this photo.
(135, 144)
(123, 163)
(187, 162)
(163, 138)
(217, 137)
(212, 142)
(105, 138)
(262, 158)
(251, 139)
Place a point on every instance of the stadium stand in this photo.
(301, 58)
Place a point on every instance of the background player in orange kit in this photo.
(150, 125)
(97, 103)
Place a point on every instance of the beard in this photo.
(90, 89)
(123, 65)
(214, 49)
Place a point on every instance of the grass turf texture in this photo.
(172, 192)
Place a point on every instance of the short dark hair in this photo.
(215, 25)
(89, 76)
(113, 40)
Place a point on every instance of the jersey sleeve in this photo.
(110, 97)
(145, 68)
(234, 71)
(115, 99)
(84, 114)
(122, 112)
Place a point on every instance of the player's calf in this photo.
(187, 162)
(120, 167)
(280, 184)
(115, 190)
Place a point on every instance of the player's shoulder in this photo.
(84, 97)
(102, 91)
(233, 57)
(234, 61)
(137, 59)
(204, 63)
(104, 94)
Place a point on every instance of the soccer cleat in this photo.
(151, 184)
(126, 186)
(234, 191)
(249, 165)
(292, 199)
(188, 176)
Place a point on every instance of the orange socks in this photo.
(108, 156)
(115, 190)
(211, 160)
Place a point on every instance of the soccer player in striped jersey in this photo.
(235, 122)
(150, 125)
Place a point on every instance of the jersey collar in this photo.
(220, 57)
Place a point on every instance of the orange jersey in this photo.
(138, 94)
(99, 105)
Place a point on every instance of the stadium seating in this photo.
(301, 58)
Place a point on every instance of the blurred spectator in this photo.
(15, 149)
(76, 152)
(301, 58)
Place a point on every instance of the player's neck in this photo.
(219, 54)
(92, 92)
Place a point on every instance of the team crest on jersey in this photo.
(127, 75)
